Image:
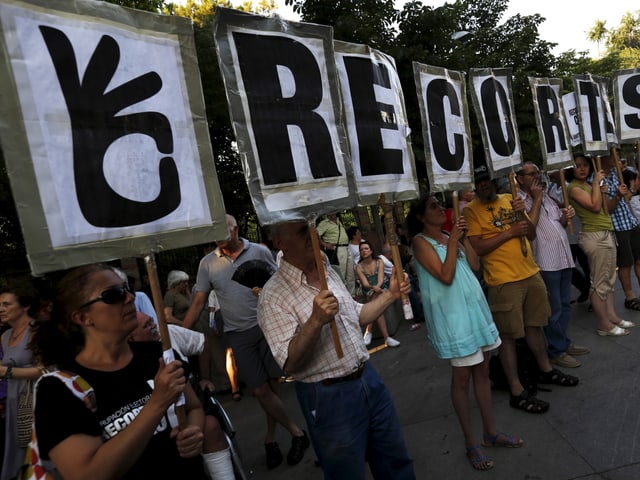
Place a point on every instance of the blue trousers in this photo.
(559, 291)
(352, 423)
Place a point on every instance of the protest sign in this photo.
(626, 95)
(284, 99)
(377, 125)
(552, 126)
(493, 102)
(592, 114)
(104, 132)
(445, 126)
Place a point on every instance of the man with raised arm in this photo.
(348, 409)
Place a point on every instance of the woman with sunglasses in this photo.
(130, 431)
(459, 322)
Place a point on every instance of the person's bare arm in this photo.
(82, 456)
(376, 307)
(198, 302)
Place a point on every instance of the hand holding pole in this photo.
(319, 257)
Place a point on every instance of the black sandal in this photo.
(527, 402)
(558, 378)
(633, 304)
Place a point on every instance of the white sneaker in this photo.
(367, 338)
(392, 342)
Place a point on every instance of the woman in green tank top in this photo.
(598, 241)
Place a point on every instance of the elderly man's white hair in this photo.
(175, 277)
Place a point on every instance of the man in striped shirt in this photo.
(552, 253)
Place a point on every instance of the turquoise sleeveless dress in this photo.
(458, 318)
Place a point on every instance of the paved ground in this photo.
(591, 431)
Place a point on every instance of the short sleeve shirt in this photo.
(286, 303)
(238, 304)
(506, 263)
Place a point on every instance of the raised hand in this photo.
(96, 124)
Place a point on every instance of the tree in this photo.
(598, 33)
(365, 21)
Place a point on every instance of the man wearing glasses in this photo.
(552, 253)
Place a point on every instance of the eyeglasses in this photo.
(111, 296)
(529, 174)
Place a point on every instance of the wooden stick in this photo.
(394, 241)
(317, 253)
(456, 205)
(514, 195)
(616, 158)
(565, 197)
(598, 166)
(156, 293)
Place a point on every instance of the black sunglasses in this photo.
(111, 296)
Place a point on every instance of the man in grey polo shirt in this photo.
(238, 304)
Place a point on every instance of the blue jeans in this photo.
(354, 422)
(559, 291)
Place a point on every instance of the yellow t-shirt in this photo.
(506, 263)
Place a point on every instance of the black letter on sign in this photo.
(550, 117)
(590, 89)
(488, 91)
(372, 116)
(259, 56)
(95, 124)
(632, 98)
(436, 92)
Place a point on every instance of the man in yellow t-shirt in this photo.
(499, 231)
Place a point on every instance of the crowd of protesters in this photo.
(498, 273)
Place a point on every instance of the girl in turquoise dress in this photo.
(459, 323)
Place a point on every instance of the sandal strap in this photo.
(558, 377)
(529, 403)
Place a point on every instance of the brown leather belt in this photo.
(352, 376)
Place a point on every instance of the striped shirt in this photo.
(621, 217)
(551, 249)
(286, 303)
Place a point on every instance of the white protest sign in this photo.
(572, 117)
(550, 120)
(626, 95)
(284, 99)
(493, 102)
(377, 124)
(445, 126)
(112, 156)
(592, 114)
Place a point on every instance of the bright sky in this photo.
(567, 21)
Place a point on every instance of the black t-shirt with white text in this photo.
(120, 395)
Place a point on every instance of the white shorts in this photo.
(475, 358)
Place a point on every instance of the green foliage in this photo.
(363, 21)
